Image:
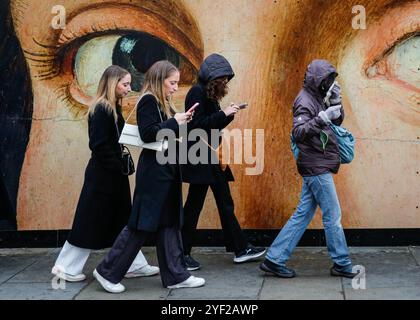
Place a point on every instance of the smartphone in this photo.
(243, 105)
(192, 109)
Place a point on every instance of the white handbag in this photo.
(130, 135)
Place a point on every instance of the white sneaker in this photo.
(59, 272)
(145, 271)
(108, 286)
(191, 282)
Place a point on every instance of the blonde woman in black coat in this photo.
(157, 203)
(105, 201)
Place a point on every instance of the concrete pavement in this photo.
(391, 273)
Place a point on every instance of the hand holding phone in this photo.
(243, 105)
(192, 109)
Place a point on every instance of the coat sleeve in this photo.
(101, 129)
(216, 120)
(305, 123)
(149, 122)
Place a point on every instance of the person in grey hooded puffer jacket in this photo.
(317, 105)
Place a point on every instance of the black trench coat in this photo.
(157, 198)
(105, 201)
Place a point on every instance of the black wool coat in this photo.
(105, 201)
(157, 198)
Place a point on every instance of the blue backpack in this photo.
(345, 141)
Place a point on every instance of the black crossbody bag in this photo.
(128, 163)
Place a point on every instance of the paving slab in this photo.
(27, 251)
(38, 291)
(415, 251)
(40, 271)
(12, 266)
(225, 280)
(393, 293)
(310, 262)
(302, 288)
(391, 273)
(386, 268)
(144, 288)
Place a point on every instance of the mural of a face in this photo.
(15, 116)
(65, 66)
(269, 44)
(379, 69)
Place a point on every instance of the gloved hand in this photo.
(333, 96)
(331, 113)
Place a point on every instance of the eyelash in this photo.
(391, 47)
(46, 60)
(407, 33)
(56, 54)
(63, 94)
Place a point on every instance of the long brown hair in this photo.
(217, 89)
(106, 93)
(153, 83)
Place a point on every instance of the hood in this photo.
(317, 71)
(215, 66)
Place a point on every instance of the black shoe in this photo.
(339, 271)
(191, 264)
(250, 253)
(279, 271)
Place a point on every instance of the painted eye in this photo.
(401, 63)
(138, 52)
(135, 52)
(92, 58)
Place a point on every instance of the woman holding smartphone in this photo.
(157, 204)
(214, 74)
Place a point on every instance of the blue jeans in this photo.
(316, 190)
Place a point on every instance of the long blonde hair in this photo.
(153, 83)
(106, 93)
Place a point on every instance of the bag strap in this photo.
(118, 137)
(122, 147)
(160, 116)
(135, 107)
(157, 106)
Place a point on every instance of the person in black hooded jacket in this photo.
(214, 74)
(317, 105)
